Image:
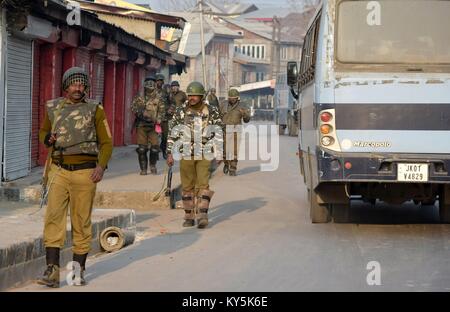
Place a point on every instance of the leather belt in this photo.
(74, 167)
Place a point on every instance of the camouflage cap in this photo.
(175, 84)
(75, 75)
(160, 76)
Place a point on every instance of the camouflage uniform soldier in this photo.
(166, 115)
(212, 98)
(149, 111)
(176, 97)
(195, 115)
(77, 132)
(232, 114)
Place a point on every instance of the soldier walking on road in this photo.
(77, 134)
(194, 118)
(233, 113)
(148, 110)
(166, 115)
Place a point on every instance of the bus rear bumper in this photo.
(341, 167)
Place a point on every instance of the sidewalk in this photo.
(122, 191)
(121, 187)
(22, 251)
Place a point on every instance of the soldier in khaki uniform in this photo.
(194, 117)
(233, 113)
(212, 98)
(166, 115)
(176, 97)
(149, 111)
(76, 130)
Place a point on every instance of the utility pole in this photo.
(202, 38)
(278, 64)
(272, 63)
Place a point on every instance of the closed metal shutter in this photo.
(16, 155)
(83, 59)
(98, 79)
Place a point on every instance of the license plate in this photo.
(412, 172)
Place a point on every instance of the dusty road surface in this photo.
(260, 238)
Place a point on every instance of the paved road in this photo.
(261, 239)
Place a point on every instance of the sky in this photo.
(155, 4)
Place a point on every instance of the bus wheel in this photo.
(319, 213)
(341, 213)
(444, 206)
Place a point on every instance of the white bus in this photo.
(374, 95)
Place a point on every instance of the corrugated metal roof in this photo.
(258, 28)
(193, 44)
(209, 25)
(123, 4)
(266, 13)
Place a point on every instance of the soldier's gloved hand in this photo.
(97, 174)
(170, 160)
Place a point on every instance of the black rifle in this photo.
(169, 182)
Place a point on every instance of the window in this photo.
(253, 51)
(257, 52)
(263, 56)
(307, 66)
(243, 49)
(411, 32)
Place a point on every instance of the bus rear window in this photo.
(393, 32)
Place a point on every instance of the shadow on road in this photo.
(382, 213)
(170, 243)
(248, 170)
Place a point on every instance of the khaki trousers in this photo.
(72, 190)
(231, 149)
(146, 136)
(194, 175)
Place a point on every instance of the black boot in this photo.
(51, 274)
(142, 157)
(225, 168)
(81, 259)
(153, 160)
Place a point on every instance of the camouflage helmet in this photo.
(75, 75)
(160, 76)
(233, 93)
(195, 88)
(175, 84)
(150, 78)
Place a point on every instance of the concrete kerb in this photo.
(25, 261)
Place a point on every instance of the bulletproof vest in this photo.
(75, 127)
(165, 98)
(192, 115)
(151, 109)
(231, 114)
